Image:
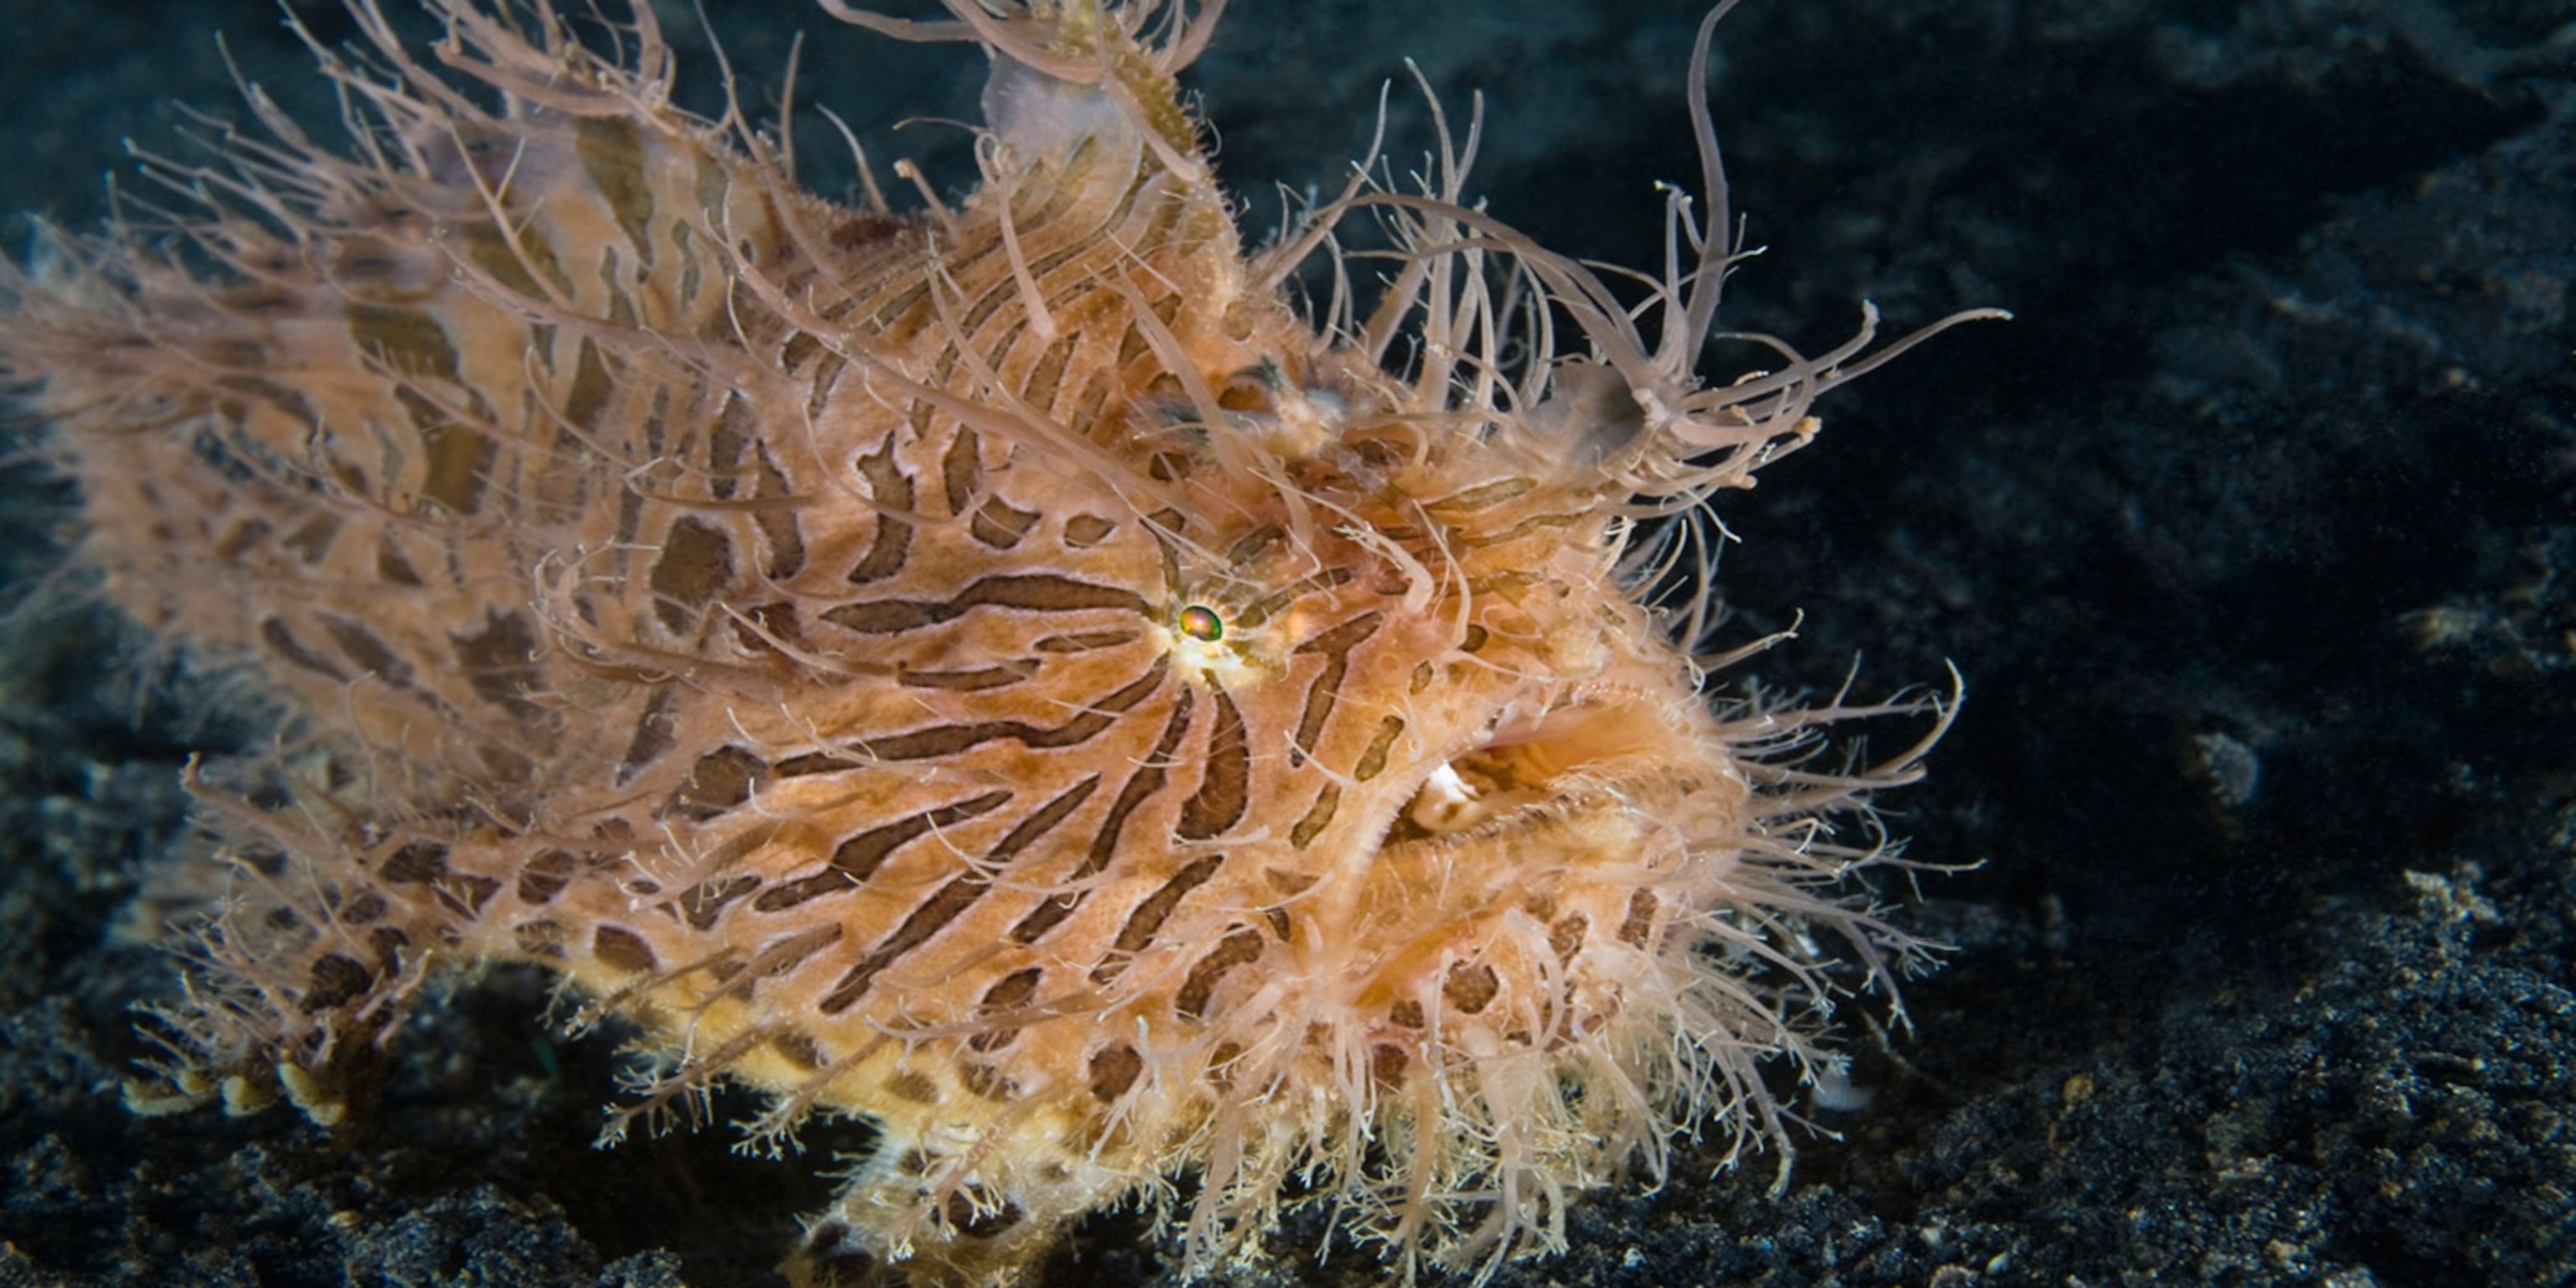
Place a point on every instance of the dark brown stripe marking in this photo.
(1388, 1064)
(543, 937)
(890, 491)
(799, 1048)
(1470, 989)
(722, 779)
(727, 441)
(826, 379)
(1148, 918)
(621, 949)
(961, 469)
(1086, 641)
(778, 525)
(590, 390)
(1113, 1071)
(392, 564)
(1034, 592)
(1239, 947)
(858, 858)
(368, 650)
(312, 539)
(467, 894)
(499, 662)
(780, 956)
(975, 1214)
(1373, 761)
(882, 616)
(1043, 820)
(1225, 786)
(455, 463)
(545, 876)
(1084, 531)
(696, 564)
(1000, 524)
(984, 1080)
(1318, 816)
(1639, 927)
(654, 733)
(404, 340)
(416, 863)
(1252, 545)
(953, 899)
(282, 642)
(334, 979)
(1566, 937)
(975, 681)
(1147, 780)
(1336, 645)
(1011, 994)
(951, 740)
(701, 904)
(612, 156)
(1039, 388)
(247, 533)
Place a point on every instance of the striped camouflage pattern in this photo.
(996, 670)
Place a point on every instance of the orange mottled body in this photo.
(1001, 672)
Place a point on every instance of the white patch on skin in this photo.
(1220, 662)
(1445, 802)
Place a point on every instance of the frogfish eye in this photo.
(1200, 622)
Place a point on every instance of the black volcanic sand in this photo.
(2255, 537)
